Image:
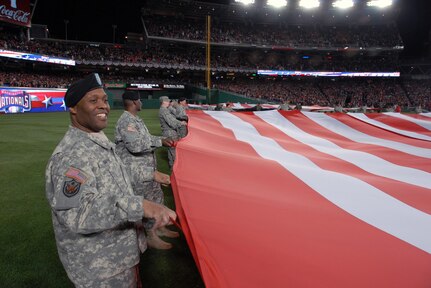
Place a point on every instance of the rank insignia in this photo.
(71, 188)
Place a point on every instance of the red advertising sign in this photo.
(15, 12)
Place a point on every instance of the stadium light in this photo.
(277, 3)
(342, 4)
(379, 3)
(245, 2)
(308, 4)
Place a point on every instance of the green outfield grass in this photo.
(29, 256)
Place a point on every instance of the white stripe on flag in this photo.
(425, 124)
(361, 200)
(357, 136)
(428, 114)
(363, 117)
(365, 161)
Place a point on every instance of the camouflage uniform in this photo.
(136, 147)
(182, 116)
(169, 125)
(93, 210)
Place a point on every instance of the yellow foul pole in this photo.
(208, 59)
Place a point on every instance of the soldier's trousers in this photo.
(152, 191)
(171, 156)
(125, 279)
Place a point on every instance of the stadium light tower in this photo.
(65, 27)
(309, 4)
(277, 3)
(113, 32)
(379, 3)
(245, 2)
(343, 4)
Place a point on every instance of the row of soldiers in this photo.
(106, 199)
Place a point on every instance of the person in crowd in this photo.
(136, 148)
(170, 126)
(93, 206)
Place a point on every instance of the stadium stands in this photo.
(173, 51)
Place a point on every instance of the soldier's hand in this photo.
(184, 123)
(160, 213)
(162, 178)
(168, 142)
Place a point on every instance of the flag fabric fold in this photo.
(304, 199)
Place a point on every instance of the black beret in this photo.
(130, 95)
(78, 89)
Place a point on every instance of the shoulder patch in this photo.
(77, 175)
(131, 128)
(71, 188)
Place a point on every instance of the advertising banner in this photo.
(23, 100)
(15, 12)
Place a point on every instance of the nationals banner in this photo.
(23, 100)
(15, 12)
(304, 199)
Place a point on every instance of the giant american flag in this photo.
(305, 199)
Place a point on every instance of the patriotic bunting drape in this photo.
(303, 199)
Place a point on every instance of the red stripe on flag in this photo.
(252, 223)
(415, 196)
(399, 123)
(377, 132)
(391, 155)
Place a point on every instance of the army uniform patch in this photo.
(131, 128)
(71, 188)
(76, 174)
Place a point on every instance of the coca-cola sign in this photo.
(15, 12)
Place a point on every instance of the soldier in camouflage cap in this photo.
(181, 115)
(136, 147)
(169, 125)
(94, 209)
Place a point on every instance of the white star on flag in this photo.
(63, 105)
(47, 102)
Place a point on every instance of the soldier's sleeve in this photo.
(171, 120)
(181, 114)
(76, 200)
(135, 141)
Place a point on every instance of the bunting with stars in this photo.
(19, 100)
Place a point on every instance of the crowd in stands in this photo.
(377, 93)
(57, 79)
(277, 91)
(278, 34)
(353, 92)
(419, 91)
(156, 53)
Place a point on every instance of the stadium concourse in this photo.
(265, 198)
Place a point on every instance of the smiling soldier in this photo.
(94, 209)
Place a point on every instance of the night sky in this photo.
(92, 20)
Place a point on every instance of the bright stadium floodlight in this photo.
(245, 2)
(343, 4)
(277, 3)
(308, 4)
(379, 3)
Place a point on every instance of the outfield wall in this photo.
(40, 100)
